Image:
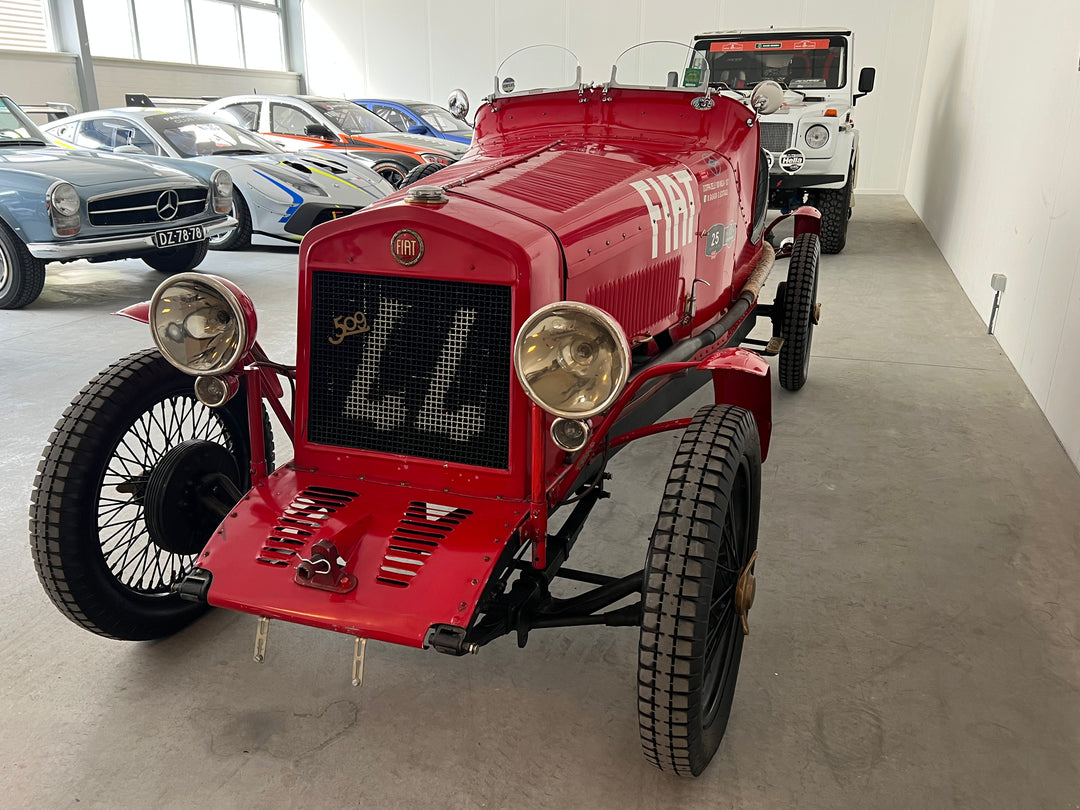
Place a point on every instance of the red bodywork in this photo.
(620, 199)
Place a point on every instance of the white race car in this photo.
(276, 193)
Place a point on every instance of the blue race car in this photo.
(419, 118)
(57, 205)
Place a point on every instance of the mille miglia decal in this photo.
(669, 199)
(349, 325)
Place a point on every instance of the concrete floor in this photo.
(916, 637)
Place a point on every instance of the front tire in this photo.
(95, 554)
(178, 259)
(800, 312)
(239, 236)
(701, 550)
(835, 207)
(22, 277)
(393, 173)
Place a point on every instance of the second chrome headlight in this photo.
(572, 359)
(202, 324)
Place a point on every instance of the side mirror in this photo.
(319, 131)
(767, 98)
(458, 104)
(866, 83)
(418, 129)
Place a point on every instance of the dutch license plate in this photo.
(179, 236)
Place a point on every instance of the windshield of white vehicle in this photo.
(195, 134)
(536, 69)
(801, 63)
(15, 127)
(661, 65)
(439, 119)
(350, 118)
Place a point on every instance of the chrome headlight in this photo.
(431, 157)
(62, 202)
(817, 136)
(221, 189)
(572, 359)
(202, 324)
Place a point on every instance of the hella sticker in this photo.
(407, 247)
(669, 199)
(791, 161)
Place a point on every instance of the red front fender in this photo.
(742, 377)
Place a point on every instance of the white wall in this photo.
(30, 77)
(370, 47)
(995, 179)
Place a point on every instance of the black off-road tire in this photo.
(178, 259)
(835, 207)
(239, 238)
(393, 173)
(799, 309)
(22, 277)
(419, 173)
(691, 636)
(91, 546)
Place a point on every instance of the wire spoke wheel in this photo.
(104, 564)
(701, 552)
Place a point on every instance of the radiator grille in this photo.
(142, 207)
(775, 137)
(411, 366)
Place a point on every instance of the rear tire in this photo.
(178, 259)
(239, 236)
(95, 553)
(799, 312)
(22, 277)
(691, 636)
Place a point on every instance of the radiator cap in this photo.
(427, 195)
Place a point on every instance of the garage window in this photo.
(231, 33)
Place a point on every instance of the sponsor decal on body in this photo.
(719, 237)
(669, 199)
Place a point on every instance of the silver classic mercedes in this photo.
(58, 205)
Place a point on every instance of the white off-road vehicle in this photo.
(811, 141)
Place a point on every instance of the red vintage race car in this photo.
(471, 354)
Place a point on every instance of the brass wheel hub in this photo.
(745, 591)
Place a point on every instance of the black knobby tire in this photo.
(22, 277)
(92, 549)
(393, 173)
(419, 173)
(178, 259)
(239, 237)
(691, 635)
(835, 207)
(799, 311)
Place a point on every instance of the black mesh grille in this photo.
(775, 137)
(142, 207)
(419, 367)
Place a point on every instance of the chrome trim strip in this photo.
(146, 189)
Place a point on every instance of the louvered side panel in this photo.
(566, 180)
(642, 299)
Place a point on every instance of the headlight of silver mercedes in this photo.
(221, 189)
(817, 136)
(572, 359)
(202, 324)
(62, 202)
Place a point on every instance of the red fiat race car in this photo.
(471, 354)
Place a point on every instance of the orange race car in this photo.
(307, 122)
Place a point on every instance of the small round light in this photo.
(570, 434)
(202, 324)
(64, 199)
(572, 359)
(817, 136)
(216, 391)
